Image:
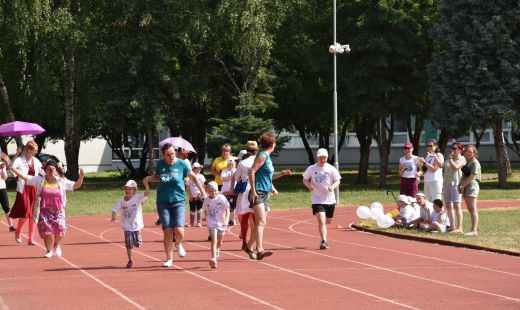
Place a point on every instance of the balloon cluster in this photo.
(375, 212)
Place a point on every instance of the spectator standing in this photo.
(432, 166)
(469, 187)
(452, 176)
(409, 170)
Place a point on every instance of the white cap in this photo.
(420, 195)
(322, 152)
(131, 183)
(241, 154)
(213, 185)
(196, 165)
(403, 198)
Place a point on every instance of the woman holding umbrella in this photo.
(22, 209)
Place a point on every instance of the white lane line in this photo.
(388, 269)
(263, 302)
(310, 277)
(115, 291)
(403, 252)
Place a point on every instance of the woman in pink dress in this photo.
(51, 222)
(22, 209)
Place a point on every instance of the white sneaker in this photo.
(57, 250)
(48, 254)
(168, 263)
(180, 250)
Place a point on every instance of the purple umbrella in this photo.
(178, 142)
(18, 128)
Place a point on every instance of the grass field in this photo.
(498, 228)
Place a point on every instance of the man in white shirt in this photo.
(321, 179)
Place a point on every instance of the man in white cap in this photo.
(425, 211)
(408, 211)
(322, 179)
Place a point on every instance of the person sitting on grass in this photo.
(131, 216)
(216, 207)
(439, 220)
(408, 211)
(426, 209)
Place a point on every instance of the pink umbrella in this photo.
(178, 142)
(18, 128)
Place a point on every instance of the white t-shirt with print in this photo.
(410, 212)
(320, 178)
(131, 212)
(410, 167)
(433, 176)
(216, 211)
(194, 190)
(426, 211)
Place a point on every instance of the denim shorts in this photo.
(451, 194)
(220, 232)
(171, 214)
(263, 197)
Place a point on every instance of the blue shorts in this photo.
(220, 232)
(171, 214)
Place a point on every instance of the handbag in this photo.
(36, 207)
(240, 187)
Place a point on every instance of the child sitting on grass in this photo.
(439, 218)
(216, 208)
(131, 216)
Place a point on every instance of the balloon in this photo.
(377, 205)
(385, 221)
(376, 213)
(363, 212)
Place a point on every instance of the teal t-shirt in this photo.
(264, 175)
(171, 180)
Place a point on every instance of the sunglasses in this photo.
(430, 145)
(406, 148)
(454, 148)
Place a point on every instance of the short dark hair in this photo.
(438, 203)
(166, 146)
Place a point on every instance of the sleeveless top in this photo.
(432, 176)
(410, 166)
(264, 175)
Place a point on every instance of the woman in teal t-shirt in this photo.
(261, 178)
(170, 172)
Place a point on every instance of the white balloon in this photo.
(377, 205)
(363, 212)
(385, 221)
(376, 213)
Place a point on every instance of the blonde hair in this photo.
(471, 146)
(30, 145)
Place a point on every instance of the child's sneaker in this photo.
(324, 245)
(168, 263)
(213, 263)
(57, 250)
(48, 254)
(129, 264)
(181, 251)
(188, 225)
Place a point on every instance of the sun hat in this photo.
(408, 145)
(420, 195)
(131, 183)
(196, 165)
(251, 145)
(403, 198)
(322, 152)
(213, 185)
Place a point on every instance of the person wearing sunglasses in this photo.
(452, 176)
(432, 168)
(409, 166)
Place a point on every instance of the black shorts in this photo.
(195, 205)
(232, 199)
(263, 197)
(4, 200)
(328, 209)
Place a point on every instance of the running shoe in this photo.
(231, 223)
(18, 239)
(261, 255)
(12, 228)
(168, 263)
(324, 245)
(213, 263)
(129, 264)
(48, 254)
(181, 251)
(57, 250)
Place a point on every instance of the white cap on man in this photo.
(196, 165)
(322, 152)
(131, 183)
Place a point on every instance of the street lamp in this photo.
(335, 49)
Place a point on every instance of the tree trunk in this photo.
(415, 135)
(301, 132)
(151, 157)
(7, 103)
(503, 163)
(72, 123)
(443, 140)
(384, 137)
(364, 134)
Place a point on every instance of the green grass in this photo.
(498, 228)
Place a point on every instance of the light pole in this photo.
(335, 49)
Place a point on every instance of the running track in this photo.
(360, 270)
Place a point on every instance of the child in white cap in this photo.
(216, 207)
(195, 196)
(129, 207)
(408, 211)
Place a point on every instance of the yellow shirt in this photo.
(220, 164)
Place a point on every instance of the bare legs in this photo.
(260, 222)
(455, 216)
(471, 204)
(322, 227)
(168, 243)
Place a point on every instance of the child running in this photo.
(131, 216)
(216, 207)
(195, 196)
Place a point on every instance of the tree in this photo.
(475, 67)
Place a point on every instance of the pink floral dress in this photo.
(52, 212)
